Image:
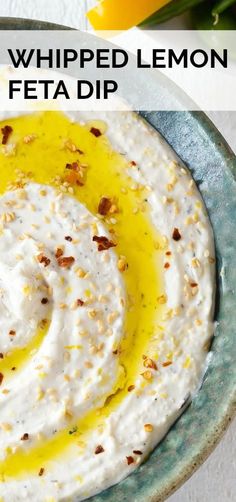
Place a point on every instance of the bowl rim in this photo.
(193, 462)
(226, 152)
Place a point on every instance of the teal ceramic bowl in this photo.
(193, 436)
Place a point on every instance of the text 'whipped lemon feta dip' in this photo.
(106, 300)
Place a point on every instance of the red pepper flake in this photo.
(65, 261)
(130, 388)
(76, 175)
(58, 253)
(130, 460)
(13, 368)
(6, 131)
(133, 163)
(1, 378)
(25, 437)
(43, 259)
(12, 332)
(44, 301)
(99, 449)
(104, 206)
(68, 238)
(149, 363)
(41, 471)
(96, 132)
(168, 253)
(74, 166)
(176, 234)
(193, 284)
(1, 355)
(167, 363)
(137, 452)
(80, 302)
(103, 243)
(167, 265)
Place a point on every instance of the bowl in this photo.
(192, 438)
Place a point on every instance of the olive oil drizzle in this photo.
(44, 159)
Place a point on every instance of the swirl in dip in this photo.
(107, 287)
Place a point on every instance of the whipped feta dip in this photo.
(64, 299)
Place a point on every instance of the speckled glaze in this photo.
(192, 438)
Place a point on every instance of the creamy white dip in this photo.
(74, 368)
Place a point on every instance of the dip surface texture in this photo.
(106, 300)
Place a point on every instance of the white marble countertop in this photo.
(216, 479)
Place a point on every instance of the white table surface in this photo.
(215, 481)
